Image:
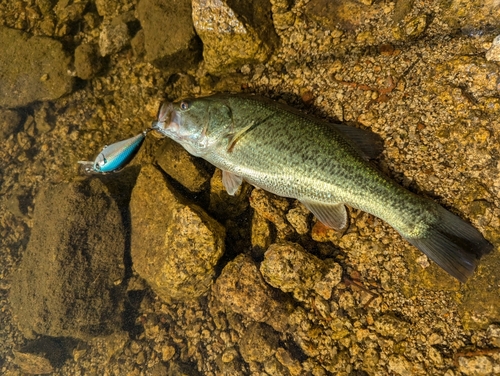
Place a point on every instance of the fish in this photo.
(325, 166)
(114, 157)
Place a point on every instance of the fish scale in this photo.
(291, 154)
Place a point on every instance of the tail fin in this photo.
(453, 244)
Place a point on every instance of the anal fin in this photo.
(331, 215)
(231, 182)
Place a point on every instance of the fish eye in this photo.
(184, 105)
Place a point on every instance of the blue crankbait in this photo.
(115, 156)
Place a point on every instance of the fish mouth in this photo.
(168, 121)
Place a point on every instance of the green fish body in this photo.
(323, 165)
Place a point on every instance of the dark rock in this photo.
(33, 364)
(258, 343)
(182, 166)
(169, 37)
(175, 245)
(9, 122)
(67, 283)
(234, 32)
(241, 288)
(224, 205)
(87, 61)
(31, 69)
(42, 356)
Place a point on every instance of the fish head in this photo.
(196, 124)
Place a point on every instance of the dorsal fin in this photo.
(368, 143)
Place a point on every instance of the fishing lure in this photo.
(115, 156)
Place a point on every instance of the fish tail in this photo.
(453, 244)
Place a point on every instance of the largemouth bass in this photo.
(324, 166)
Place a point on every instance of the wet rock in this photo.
(411, 29)
(9, 122)
(258, 343)
(478, 365)
(234, 33)
(68, 11)
(292, 364)
(106, 7)
(493, 334)
(182, 166)
(241, 288)
(401, 9)
(346, 15)
(493, 53)
(283, 17)
(33, 364)
(114, 36)
(291, 269)
(298, 217)
(223, 204)
(175, 245)
(471, 16)
(400, 365)
(260, 233)
(31, 69)
(272, 208)
(390, 326)
(87, 61)
(170, 41)
(67, 283)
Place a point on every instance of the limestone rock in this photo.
(32, 69)
(87, 61)
(182, 166)
(169, 37)
(175, 245)
(258, 343)
(68, 280)
(114, 37)
(291, 269)
(241, 288)
(234, 32)
(272, 208)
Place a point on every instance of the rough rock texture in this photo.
(9, 121)
(346, 15)
(234, 32)
(493, 53)
(182, 166)
(272, 208)
(31, 69)
(67, 283)
(114, 36)
(258, 343)
(87, 61)
(175, 245)
(169, 37)
(241, 288)
(291, 269)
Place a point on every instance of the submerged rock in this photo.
(32, 69)
(234, 32)
(87, 61)
(68, 281)
(258, 343)
(170, 41)
(291, 269)
(347, 15)
(175, 245)
(241, 288)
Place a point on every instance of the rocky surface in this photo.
(68, 281)
(31, 69)
(175, 245)
(423, 75)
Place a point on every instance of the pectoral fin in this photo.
(331, 215)
(231, 182)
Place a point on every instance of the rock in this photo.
(169, 37)
(175, 245)
(283, 17)
(390, 326)
(182, 166)
(33, 364)
(478, 365)
(31, 69)
(68, 11)
(224, 205)
(298, 217)
(346, 15)
(286, 359)
(258, 343)
(493, 53)
(106, 8)
(470, 15)
(261, 233)
(272, 208)
(67, 284)
(241, 288)
(114, 37)
(399, 365)
(493, 334)
(41, 356)
(87, 61)
(411, 29)
(234, 33)
(290, 268)
(9, 122)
